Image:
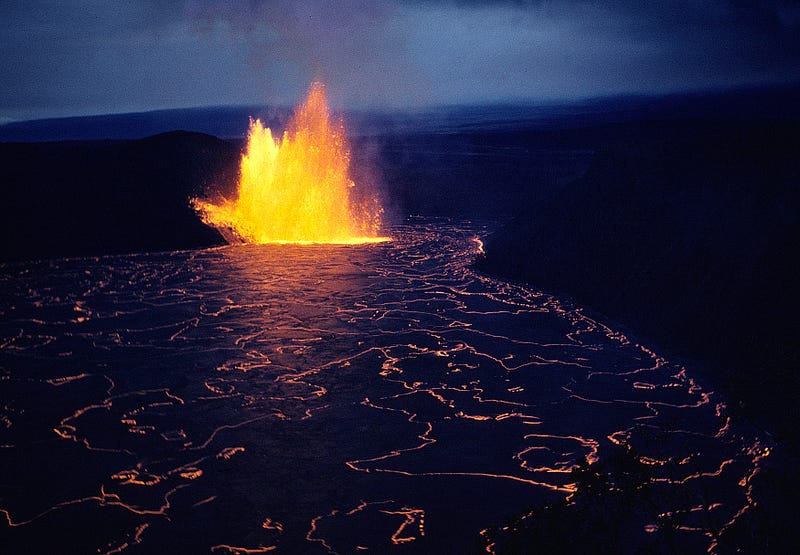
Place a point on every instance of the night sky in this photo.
(78, 57)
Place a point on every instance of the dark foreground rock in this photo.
(100, 197)
(618, 496)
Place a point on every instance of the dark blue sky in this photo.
(63, 57)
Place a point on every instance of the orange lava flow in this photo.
(297, 189)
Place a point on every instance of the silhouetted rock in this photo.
(100, 197)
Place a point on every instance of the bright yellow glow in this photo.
(297, 189)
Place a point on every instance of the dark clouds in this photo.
(92, 56)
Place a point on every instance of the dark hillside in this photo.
(687, 232)
(99, 197)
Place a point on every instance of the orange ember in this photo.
(297, 189)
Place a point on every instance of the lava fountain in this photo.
(297, 189)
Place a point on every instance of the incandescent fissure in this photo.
(297, 189)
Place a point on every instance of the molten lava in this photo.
(297, 189)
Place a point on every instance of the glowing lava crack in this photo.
(297, 189)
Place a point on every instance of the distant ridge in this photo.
(226, 122)
(231, 122)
